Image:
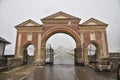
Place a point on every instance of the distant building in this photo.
(8, 56)
(3, 43)
(114, 54)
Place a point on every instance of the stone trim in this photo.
(104, 44)
(19, 45)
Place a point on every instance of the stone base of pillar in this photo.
(18, 57)
(81, 60)
(39, 62)
(86, 63)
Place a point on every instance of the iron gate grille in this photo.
(75, 55)
(49, 56)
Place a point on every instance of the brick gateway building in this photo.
(90, 32)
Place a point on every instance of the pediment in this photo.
(93, 22)
(60, 15)
(29, 23)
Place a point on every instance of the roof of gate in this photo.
(60, 15)
(28, 23)
(93, 22)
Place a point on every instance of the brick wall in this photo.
(12, 63)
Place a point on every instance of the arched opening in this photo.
(67, 31)
(91, 49)
(28, 54)
(61, 46)
(93, 52)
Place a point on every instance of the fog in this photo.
(13, 12)
(61, 40)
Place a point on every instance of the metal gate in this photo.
(76, 57)
(77, 52)
(49, 56)
(25, 57)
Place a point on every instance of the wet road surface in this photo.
(64, 69)
(63, 58)
(17, 73)
(66, 72)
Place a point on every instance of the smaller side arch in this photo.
(95, 43)
(27, 57)
(95, 49)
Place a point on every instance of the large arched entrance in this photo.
(60, 49)
(91, 30)
(65, 30)
(70, 33)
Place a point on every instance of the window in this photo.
(29, 36)
(69, 22)
(92, 35)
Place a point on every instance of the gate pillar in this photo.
(42, 54)
(86, 56)
(78, 56)
(40, 51)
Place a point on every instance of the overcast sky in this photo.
(13, 12)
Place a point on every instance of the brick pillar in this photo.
(82, 45)
(37, 57)
(42, 54)
(79, 54)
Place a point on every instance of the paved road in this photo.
(64, 58)
(17, 73)
(59, 71)
(65, 70)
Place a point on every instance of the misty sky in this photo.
(13, 12)
(63, 40)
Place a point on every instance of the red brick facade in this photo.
(61, 23)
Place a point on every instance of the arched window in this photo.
(91, 49)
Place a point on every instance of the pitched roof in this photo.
(33, 23)
(3, 40)
(60, 15)
(94, 22)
